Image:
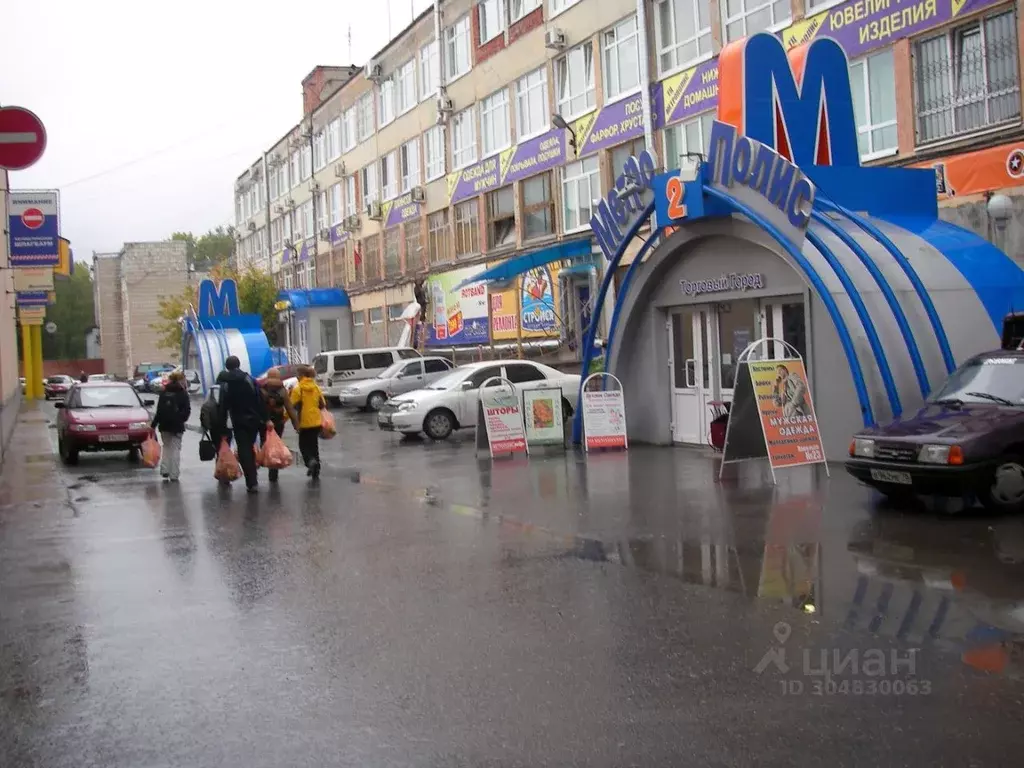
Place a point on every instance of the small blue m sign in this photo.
(217, 300)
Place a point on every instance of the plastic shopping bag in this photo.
(150, 452)
(276, 455)
(328, 429)
(227, 468)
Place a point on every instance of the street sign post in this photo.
(22, 138)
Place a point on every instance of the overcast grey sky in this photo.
(151, 114)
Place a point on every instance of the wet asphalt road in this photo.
(422, 608)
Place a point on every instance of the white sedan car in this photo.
(452, 401)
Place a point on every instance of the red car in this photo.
(56, 387)
(102, 416)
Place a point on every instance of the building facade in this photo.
(487, 128)
(128, 286)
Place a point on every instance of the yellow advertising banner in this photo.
(538, 311)
(33, 279)
(31, 315)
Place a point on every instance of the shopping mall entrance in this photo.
(705, 341)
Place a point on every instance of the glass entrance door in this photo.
(689, 361)
(784, 319)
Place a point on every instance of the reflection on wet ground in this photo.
(424, 607)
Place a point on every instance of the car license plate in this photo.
(888, 476)
(113, 438)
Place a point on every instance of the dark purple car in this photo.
(967, 440)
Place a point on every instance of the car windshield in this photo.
(107, 397)
(451, 380)
(989, 380)
(56, 380)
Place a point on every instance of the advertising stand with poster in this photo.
(499, 419)
(543, 417)
(604, 415)
(772, 415)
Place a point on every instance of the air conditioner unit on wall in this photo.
(372, 70)
(373, 211)
(252, 226)
(350, 224)
(339, 170)
(554, 38)
(418, 194)
(314, 186)
(325, 234)
(290, 203)
(278, 209)
(444, 108)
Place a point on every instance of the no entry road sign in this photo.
(33, 228)
(22, 138)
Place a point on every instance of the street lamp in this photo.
(1000, 210)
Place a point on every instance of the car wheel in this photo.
(439, 424)
(133, 454)
(68, 455)
(376, 400)
(1005, 489)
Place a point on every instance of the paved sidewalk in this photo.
(30, 470)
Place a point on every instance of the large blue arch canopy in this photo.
(520, 265)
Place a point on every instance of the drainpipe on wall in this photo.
(440, 53)
(645, 74)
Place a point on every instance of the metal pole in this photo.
(37, 354)
(32, 378)
(519, 316)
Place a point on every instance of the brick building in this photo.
(440, 159)
(128, 286)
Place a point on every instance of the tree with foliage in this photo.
(214, 249)
(73, 313)
(257, 294)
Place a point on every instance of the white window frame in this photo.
(520, 9)
(351, 207)
(386, 102)
(306, 162)
(750, 7)
(295, 169)
(491, 19)
(308, 222)
(457, 50)
(388, 178)
(364, 117)
(433, 150)
(702, 121)
(463, 133)
(527, 103)
(335, 204)
(626, 33)
(666, 42)
(320, 150)
(371, 188)
(430, 70)
(322, 218)
(583, 80)
(583, 173)
(869, 127)
(409, 165)
(334, 139)
(405, 87)
(556, 7)
(348, 129)
(495, 123)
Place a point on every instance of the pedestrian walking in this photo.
(82, 377)
(172, 412)
(308, 400)
(279, 408)
(240, 401)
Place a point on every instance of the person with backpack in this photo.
(172, 412)
(308, 400)
(279, 408)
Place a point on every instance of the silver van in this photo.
(340, 368)
(404, 376)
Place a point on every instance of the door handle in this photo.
(691, 372)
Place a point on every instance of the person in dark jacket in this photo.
(279, 407)
(82, 377)
(172, 412)
(240, 401)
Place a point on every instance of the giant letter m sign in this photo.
(801, 105)
(217, 301)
